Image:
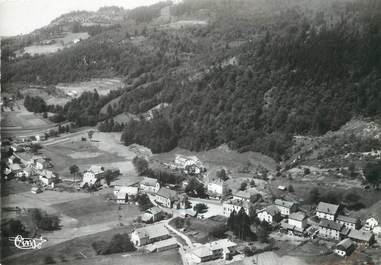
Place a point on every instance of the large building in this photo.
(270, 214)
(217, 188)
(166, 197)
(150, 185)
(344, 247)
(92, 176)
(220, 249)
(349, 222)
(285, 207)
(327, 211)
(298, 219)
(149, 234)
(330, 229)
(242, 195)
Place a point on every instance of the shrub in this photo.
(119, 243)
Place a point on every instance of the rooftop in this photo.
(298, 216)
(327, 208)
(167, 193)
(96, 169)
(347, 219)
(284, 203)
(345, 244)
(148, 181)
(121, 195)
(153, 210)
(271, 209)
(360, 235)
(330, 225)
(152, 231)
(243, 194)
(14, 167)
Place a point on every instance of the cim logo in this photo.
(27, 243)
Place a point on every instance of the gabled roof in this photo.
(331, 225)
(271, 210)
(217, 181)
(152, 231)
(360, 235)
(48, 174)
(284, 203)
(167, 193)
(202, 251)
(242, 194)
(298, 216)
(347, 219)
(153, 210)
(344, 244)
(15, 167)
(95, 169)
(149, 182)
(327, 208)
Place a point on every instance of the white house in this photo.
(28, 172)
(121, 197)
(242, 195)
(217, 187)
(152, 214)
(370, 223)
(47, 177)
(166, 197)
(285, 207)
(129, 190)
(92, 175)
(348, 222)
(270, 214)
(327, 211)
(149, 185)
(344, 247)
(149, 234)
(298, 219)
(220, 249)
(41, 164)
(234, 205)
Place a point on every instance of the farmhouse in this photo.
(285, 207)
(348, 222)
(327, 211)
(25, 158)
(28, 172)
(298, 219)
(47, 177)
(269, 214)
(13, 160)
(217, 187)
(149, 234)
(129, 190)
(361, 236)
(92, 176)
(16, 170)
(152, 215)
(344, 247)
(41, 164)
(166, 197)
(18, 147)
(242, 195)
(330, 229)
(220, 249)
(149, 185)
(234, 205)
(163, 245)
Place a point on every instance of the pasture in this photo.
(102, 85)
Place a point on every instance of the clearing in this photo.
(102, 85)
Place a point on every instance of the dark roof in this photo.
(327, 208)
(284, 203)
(271, 210)
(360, 235)
(346, 219)
(344, 244)
(298, 216)
(167, 193)
(330, 225)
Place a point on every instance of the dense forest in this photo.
(256, 74)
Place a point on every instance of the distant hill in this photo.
(249, 73)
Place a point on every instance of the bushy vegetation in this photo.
(35, 104)
(118, 244)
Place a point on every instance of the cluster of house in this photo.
(25, 164)
(187, 164)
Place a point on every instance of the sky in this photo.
(23, 16)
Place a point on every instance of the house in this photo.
(121, 197)
(92, 176)
(348, 222)
(220, 249)
(153, 214)
(361, 236)
(291, 229)
(166, 197)
(149, 234)
(18, 147)
(344, 247)
(163, 245)
(182, 161)
(41, 163)
(16, 170)
(217, 187)
(285, 207)
(242, 195)
(377, 231)
(129, 190)
(26, 158)
(47, 177)
(234, 205)
(149, 185)
(327, 211)
(40, 137)
(330, 229)
(270, 214)
(298, 219)
(370, 223)
(13, 160)
(28, 172)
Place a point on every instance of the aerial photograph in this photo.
(190, 132)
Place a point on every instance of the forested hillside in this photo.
(252, 75)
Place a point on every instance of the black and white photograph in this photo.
(190, 132)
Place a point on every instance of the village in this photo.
(170, 210)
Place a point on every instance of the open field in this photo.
(23, 119)
(60, 43)
(102, 85)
